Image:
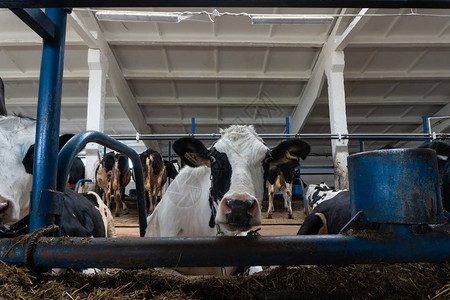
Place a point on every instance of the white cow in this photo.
(82, 215)
(221, 190)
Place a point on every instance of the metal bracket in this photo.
(56, 200)
(37, 20)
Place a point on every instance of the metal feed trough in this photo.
(397, 200)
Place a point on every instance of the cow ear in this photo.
(28, 160)
(287, 152)
(192, 152)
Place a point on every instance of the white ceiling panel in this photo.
(397, 69)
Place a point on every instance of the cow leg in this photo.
(271, 193)
(287, 195)
(118, 203)
(124, 206)
(108, 198)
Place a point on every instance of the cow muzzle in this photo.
(239, 214)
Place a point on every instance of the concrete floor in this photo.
(128, 225)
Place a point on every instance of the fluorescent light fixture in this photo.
(136, 16)
(284, 19)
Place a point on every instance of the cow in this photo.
(156, 171)
(281, 178)
(103, 176)
(442, 149)
(220, 190)
(318, 193)
(120, 179)
(331, 210)
(80, 216)
(112, 175)
(76, 173)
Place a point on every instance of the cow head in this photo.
(238, 161)
(17, 135)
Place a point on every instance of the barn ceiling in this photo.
(397, 69)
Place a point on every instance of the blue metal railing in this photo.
(79, 141)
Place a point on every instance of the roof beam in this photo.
(310, 94)
(445, 111)
(259, 122)
(37, 20)
(314, 86)
(118, 83)
(213, 42)
(419, 100)
(430, 42)
(361, 43)
(312, 91)
(352, 30)
(368, 121)
(245, 76)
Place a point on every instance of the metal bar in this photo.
(230, 3)
(301, 174)
(47, 123)
(193, 126)
(81, 181)
(287, 128)
(79, 141)
(425, 127)
(368, 136)
(316, 167)
(37, 21)
(229, 251)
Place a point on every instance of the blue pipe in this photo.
(425, 126)
(79, 141)
(193, 126)
(81, 181)
(229, 251)
(287, 127)
(47, 123)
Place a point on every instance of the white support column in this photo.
(334, 70)
(98, 68)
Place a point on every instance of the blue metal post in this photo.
(287, 127)
(425, 127)
(47, 124)
(193, 126)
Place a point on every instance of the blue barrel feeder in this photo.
(395, 186)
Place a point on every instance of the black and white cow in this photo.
(442, 149)
(331, 209)
(80, 216)
(281, 178)
(112, 175)
(120, 179)
(220, 190)
(156, 171)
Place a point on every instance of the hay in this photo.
(411, 281)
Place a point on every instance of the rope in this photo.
(33, 239)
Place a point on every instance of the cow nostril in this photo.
(250, 203)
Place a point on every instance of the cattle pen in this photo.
(40, 252)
